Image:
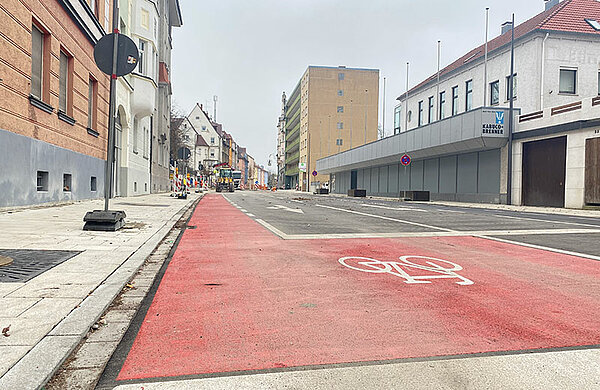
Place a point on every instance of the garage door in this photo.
(592, 171)
(544, 164)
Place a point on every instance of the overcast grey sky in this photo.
(247, 52)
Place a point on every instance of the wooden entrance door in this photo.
(544, 168)
(592, 171)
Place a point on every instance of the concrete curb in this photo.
(44, 359)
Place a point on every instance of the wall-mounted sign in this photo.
(302, 167)
(405, 160)
(492, 123)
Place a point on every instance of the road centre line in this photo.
(388, 218)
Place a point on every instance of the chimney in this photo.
(506, 27)
(551, 3)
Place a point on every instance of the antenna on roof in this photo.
(215, 98)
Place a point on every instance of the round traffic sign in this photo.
(405, 160)
(127, 54)
(314, 173)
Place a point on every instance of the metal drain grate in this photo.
(27, 263)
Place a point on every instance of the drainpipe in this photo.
(543, 70)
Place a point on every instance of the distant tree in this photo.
(177, 118)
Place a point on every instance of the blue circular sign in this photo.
(405, 160)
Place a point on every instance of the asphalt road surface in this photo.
(281, 290)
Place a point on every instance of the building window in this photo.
(65, 84)
(38, 62)
(135, 135)
(340, 109)
(339, 142)
(508, 87)
(598, 83)
(92, 103)
(142, 52)
(442, 107)
(397, 118)
(469, 95)
(340, 125)
(568, 81)
(420, 118)
(95, 4)
(430, 116)
(145, 19)
(203, 128)
(495, 93)
(42, 181)
(93, 184)
(212, 154)
(135, 186)
(212, 140)
(455, 100)
(340, 92)
(67, 181)
(341, 76)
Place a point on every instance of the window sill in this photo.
(64, 117)
(567, 94)
(41, 104)
(93, 132)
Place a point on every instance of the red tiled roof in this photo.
(568, 15)
(200, 141)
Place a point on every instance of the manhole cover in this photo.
(5, 260)
(27, 263)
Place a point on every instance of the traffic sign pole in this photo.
(110, 153)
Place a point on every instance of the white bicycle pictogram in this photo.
(442, 269)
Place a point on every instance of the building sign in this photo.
(302, 167)
(492, 123)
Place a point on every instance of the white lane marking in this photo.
(545, 248)
(479, 233)
(393, 208)
(243, 210)
(297, 201)
(396, 268)
(545, 220)
(279, 207)
(450, 211)
(272, 229)
(387, 218)
(250, 215)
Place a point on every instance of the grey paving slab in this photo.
(10, 356)
(119, 316)
(36, 367)
(93, 354)
(108, 333)
(77, 379)
(13, 307)
(7, 288)
(24, 331)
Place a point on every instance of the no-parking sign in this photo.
(405, 160)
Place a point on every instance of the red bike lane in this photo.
(236, 298)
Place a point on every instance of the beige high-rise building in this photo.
(333, 109)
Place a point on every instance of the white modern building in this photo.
(456, 130)
(143, 106)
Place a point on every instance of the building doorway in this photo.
(592, 171)
(353, 180)
(544, 169)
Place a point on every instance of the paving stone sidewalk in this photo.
(44, 317)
